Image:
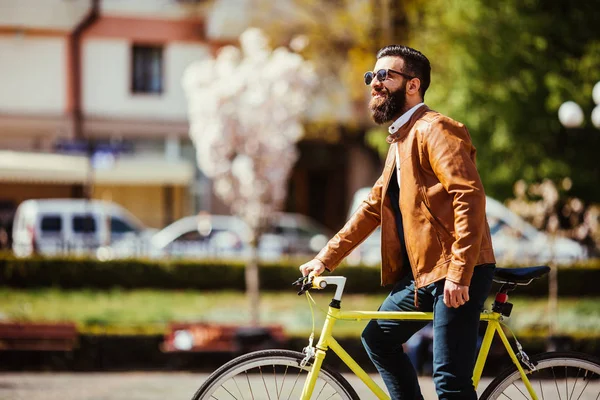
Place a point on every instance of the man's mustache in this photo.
(381, 91)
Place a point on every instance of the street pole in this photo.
(553, 297)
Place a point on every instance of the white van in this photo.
(514, 240)
(70, 226)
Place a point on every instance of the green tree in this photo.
(504, 68)
(343, 37)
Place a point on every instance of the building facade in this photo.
(91, 104)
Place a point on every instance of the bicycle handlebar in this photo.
(320, 282)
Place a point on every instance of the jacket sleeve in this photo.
(362, 223)
(451, 154)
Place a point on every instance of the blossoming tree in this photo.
(244, 108)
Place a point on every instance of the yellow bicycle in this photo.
(284, 374)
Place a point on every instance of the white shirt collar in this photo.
(403, 119)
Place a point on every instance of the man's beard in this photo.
(384, 109)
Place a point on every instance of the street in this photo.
(166, 386)
(126, 386)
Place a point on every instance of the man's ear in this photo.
(413, 86)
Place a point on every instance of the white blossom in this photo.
(245, 108)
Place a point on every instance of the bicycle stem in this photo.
(321, 282)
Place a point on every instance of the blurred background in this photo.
(112, 235)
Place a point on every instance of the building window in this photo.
(147, 71)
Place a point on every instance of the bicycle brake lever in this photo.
(306, 283)
(298, 281)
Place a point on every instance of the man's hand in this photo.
(455, 295)
(314, 267)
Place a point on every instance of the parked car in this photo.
(517, 241)
(206, 236)
(70, 226)
(223, 236)
(514, 240)
(302, 236)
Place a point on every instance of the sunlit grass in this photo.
(575, 316)
(150, 311)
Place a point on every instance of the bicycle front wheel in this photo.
(270, 375)
(557, 376)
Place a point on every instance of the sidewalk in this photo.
(126, 386)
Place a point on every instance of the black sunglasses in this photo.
(382, 75)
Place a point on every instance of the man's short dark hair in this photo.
(415, 63)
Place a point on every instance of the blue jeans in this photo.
(454, 338)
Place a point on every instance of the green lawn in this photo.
(149, 311)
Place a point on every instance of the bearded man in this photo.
(435, 241)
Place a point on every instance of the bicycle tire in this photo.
(564, 375)
(265, 364)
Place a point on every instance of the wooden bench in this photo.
(209, 337)
(37, 336)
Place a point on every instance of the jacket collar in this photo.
(403, 119)
(405, 126)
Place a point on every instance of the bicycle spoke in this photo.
(321, 391)
(275, 377)
(264, 383)
(556, 383)
(574, 385)
(551, 367)
(279, 392)
(516, 387)
(586, 384)
(231, 394)
(295, 382)
(333, 394)
(566, 383)
(249, 386)
(276, 370)
(238, 387)
(504, 394)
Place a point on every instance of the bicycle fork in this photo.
(311, 380)
(326, 341)
(319, 355)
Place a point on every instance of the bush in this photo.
(75, 273)
(79, 273)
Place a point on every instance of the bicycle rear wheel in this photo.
(270, 375)
(557, 376)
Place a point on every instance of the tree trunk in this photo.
(252, 282)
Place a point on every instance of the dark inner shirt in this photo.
(394, 193)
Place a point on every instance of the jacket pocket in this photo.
(447, 240)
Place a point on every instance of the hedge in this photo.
(77, 273)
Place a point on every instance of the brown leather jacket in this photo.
(442, 203)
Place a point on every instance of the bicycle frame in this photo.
(327, 341)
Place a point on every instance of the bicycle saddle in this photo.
(520, 275)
